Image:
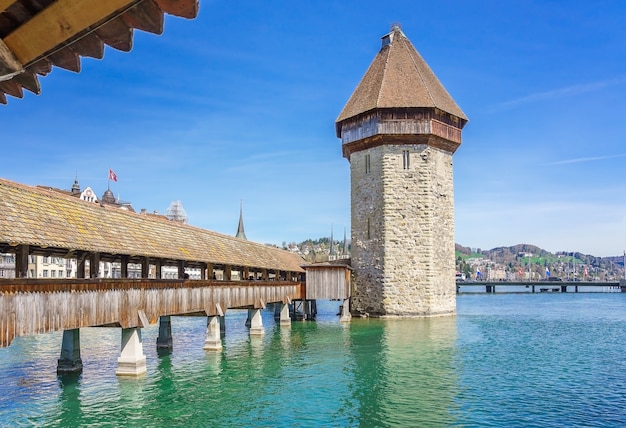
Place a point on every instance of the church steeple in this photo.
(75, 187)
(241, 234)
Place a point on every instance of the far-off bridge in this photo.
(233, 273)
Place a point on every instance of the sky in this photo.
(237, 107)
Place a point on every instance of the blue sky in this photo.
(240, 103)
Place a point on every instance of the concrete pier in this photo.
(345, 311)
(132, 361)
(213, 339)
(164, 340)
(70, 361)
(256, 323)
(284, 318)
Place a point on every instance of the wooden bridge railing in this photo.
(31, 306)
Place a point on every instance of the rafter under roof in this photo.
(38, 34)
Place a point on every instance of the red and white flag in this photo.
(112, 175)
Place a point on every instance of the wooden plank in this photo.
(9, 65)
(56, 24)
(90, 46)
(29, 81)
(146, 17)
(183, 8)
(4, 4)
(67, 59)
(116, 34)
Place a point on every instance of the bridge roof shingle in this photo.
(47, 218)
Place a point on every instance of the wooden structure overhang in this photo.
(38, 34)
(51, 223)
(399, 100)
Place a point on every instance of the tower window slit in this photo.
(368, 168)
(405, 159)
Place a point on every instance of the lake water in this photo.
(506, 360)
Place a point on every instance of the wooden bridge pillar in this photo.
(157, 268)
(132, 361)
(213, 340)
(21, 261)
(145, 267)
(80, 265)
(124, 267)
(94, 265)
(256, 323)
(164, 340)
(70, 361)
(181, 269)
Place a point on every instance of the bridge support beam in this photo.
(132, 361)
(70, 361)
(256, 323)
(164, 340)
(213, 339)
(345, 311)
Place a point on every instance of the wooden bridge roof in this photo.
(398, 77)
(38, 34)
(54, 223)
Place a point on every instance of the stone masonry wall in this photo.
(403, 232)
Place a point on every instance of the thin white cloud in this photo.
(586, 159)
(559, 93)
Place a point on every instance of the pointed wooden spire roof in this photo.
(397, 78)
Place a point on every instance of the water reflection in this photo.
(404, 372)
(70, 404)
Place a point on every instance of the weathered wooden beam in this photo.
(89, 46)
(66, 58)
(4, 4)
(11, 88)
(146, 17)
(9, 65)
(29, 81)
(183, 8)
(116, 34)
(58, 23)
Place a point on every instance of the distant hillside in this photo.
(525, 256)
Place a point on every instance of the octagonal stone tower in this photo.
(399, 130)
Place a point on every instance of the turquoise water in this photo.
(520, 360)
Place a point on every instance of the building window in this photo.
(45, 260)
(368, 168)
(53, 273)
(405, 159)
(60, 274)
(31, 273)
(45, 273)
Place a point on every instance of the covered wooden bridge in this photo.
(52, 223)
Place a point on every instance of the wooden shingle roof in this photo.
(47, 218)
(398, 77)
(38, 34)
